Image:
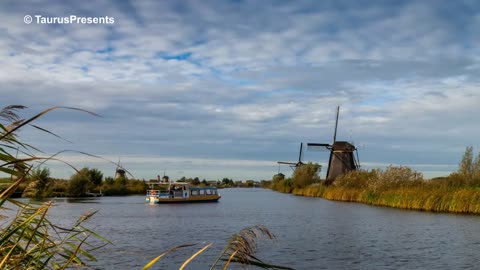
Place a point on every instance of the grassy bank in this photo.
(398, 187)
(462, 200)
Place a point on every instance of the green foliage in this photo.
(95, 176)
(226, 182)
(284, 185)
(111, 187)
(468, 173)
(115, 190)
(109, 180)
(476, 171)
(79, 183)
(83, 181)
(466, 165)
(196, 181)
(121, 181)
(306, 175)
(278, 177)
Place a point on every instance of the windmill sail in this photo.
(295, 164)
(336, 125)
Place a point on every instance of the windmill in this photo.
(120, 171)
(342, 158)
(294, 165)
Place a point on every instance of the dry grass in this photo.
(400, 187)
(240, 249)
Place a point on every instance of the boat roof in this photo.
(168, 183)
(180, 184)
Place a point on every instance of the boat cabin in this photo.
(179, 191)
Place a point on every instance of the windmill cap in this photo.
(343, 146)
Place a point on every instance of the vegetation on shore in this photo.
(39, 184)
(399, 187)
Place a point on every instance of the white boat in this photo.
(179, 192)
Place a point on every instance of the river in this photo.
(312, 233)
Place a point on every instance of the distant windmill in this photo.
(294, 165)
(342, 159)
(120, 171)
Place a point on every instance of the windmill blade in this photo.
(286, 162)
(323, 147)
(300, 154)
(336, 125)
(319, 144)
(126, 171)
(357, 161)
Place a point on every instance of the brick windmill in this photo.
(342, 158)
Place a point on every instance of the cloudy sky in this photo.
(226, 88)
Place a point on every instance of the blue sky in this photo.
(226, 88)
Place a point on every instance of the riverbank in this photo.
(398, 187)
(462, 200)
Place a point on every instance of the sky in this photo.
(227, 88)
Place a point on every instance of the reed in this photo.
(28, 240)
(399, 187)
(240, 249)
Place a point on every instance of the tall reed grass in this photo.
(399, 187)
(28, 240)
(240, 249)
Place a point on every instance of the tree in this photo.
(466, 165)
(476, 169)
(227, 182)
(96, 176)
(196, 181)
(278, 177)
(109, 180)
(79, 183)
(306, 175)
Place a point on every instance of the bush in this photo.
(79, 183)
(306, 175)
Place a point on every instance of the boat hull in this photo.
(199, 199)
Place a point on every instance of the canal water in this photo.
(311, 233)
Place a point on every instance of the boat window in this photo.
(202, 192)
(209, 192)
(194, 192)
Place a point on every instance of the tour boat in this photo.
(179, 192)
